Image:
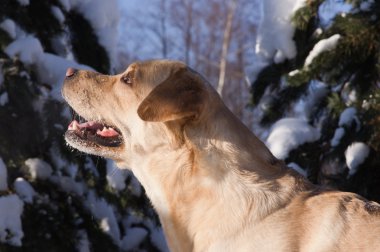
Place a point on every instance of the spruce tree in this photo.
(64, 213)
(346, 80)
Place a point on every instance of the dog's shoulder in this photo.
(344, 203)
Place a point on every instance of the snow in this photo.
(318, 32)
(104, 18)
(279, 57)
(50, 68)
(158, 239)
(307, 105)
(156, 233)
(116, 177)
(59, 162)
(348, 116)
(329, 9)
(131, 220)
(104, 213)
(11, 208)
(3, 176)
(352, 97)
(287, 134)
(23, 2)
(298, 169)
(135, 186)
(24, 190)
(294, 72)
(71, 170)
(28, 49)
(60, 45)
(58, 14)
(10, 27)
(57, 159)
(83, 242)
(134, 236)
(322, 46)
(256, 67)
(38, 168)
(275, 32)
(90, 166)
(366, 5)
(355, 155)
(65, 4)
(69, 185)
(339, 133)
(4, 99)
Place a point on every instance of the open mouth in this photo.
(95, 132)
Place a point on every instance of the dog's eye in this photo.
(127, 79)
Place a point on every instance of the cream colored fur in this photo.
(214, 184)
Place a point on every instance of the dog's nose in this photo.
(70, 71)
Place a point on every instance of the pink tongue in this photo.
(100, 129)
(107, 132)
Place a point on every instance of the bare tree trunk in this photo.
(226, 44)
(163, 36)
(188, 32)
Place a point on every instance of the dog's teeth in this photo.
(107, 132)
(74, 126)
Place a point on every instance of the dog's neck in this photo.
(195, 185)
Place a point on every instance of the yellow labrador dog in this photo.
(214, 184)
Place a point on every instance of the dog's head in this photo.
(126, 112)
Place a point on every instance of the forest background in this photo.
(302, 74)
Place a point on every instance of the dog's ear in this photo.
(180, 96)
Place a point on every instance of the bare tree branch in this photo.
(226, 44)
